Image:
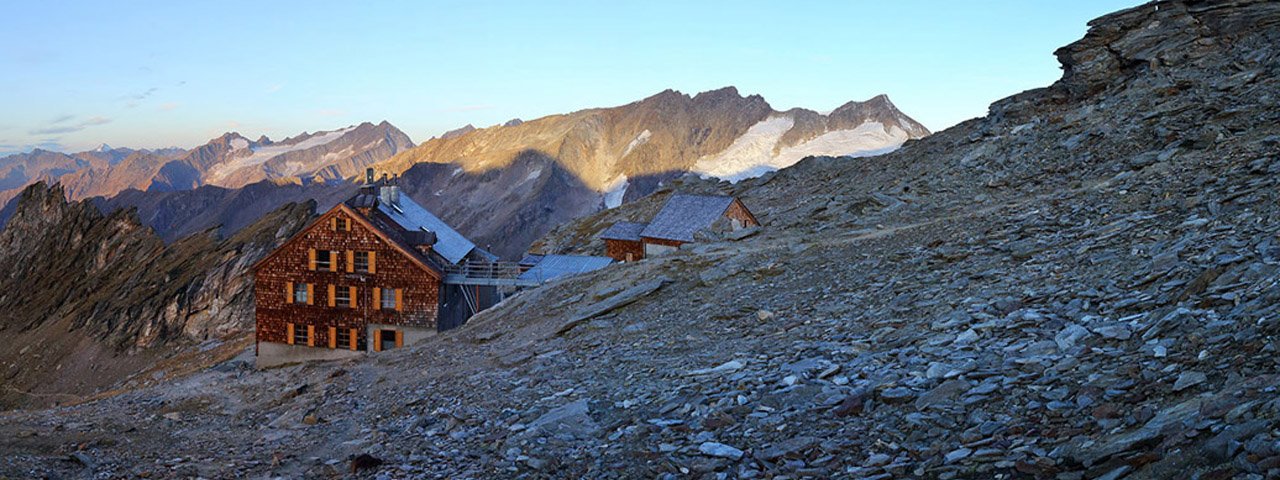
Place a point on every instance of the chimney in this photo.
(389, 195)
(368, 176)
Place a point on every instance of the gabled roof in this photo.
(624, 231)
(556, 266)
(685, 214)
(412, 217)
(322, 221)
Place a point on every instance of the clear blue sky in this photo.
(152, 74)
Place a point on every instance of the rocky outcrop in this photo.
(76, 276)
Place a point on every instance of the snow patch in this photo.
(615, 190)
(261, 155)
(752, 154)
(533, 175)
(640, 139)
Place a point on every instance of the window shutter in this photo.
(311, 335)
(333, 260)
(288, 292)
(377, 340)
(332, 295)
(399, 297)
(377, 298)
(373, 268)
(333, 337)
(333, 223)
(353, 297)
(289, 332)
(353, 340)
(351, 261)
(311, 253)
(311, 294)
(399, 339)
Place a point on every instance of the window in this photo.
(340, 224)
(300, 335)
(342, 297)
(344, 338)
(302, 293)
(362, 261)
(389, 296)
(324, 260)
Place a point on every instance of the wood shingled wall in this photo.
(274, 309)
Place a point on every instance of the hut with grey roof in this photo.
(682, 220)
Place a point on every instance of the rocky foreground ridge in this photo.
(1083, 284)
(91, 299)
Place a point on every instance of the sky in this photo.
(173, 73)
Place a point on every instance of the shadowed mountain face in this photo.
(502, 210)
(90, 298)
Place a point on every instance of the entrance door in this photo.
(388, 339)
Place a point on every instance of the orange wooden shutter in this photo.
(289, 332)
(399, 339)
(377, 340)
(333, 260)
(377, 298)
(288, 292)
(353, 297)
(351, 261)
(373, 265)
(399, 297)
(333, 337)
(311, 294)
(311, 335)
(332, 295)
(333, 223)
(353, 339)
(311, 254)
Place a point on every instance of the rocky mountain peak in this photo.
(458, 132)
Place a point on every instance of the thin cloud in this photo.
(275, 88)
(143, 96)
(135, 99)
(170, 106)
(58, 126)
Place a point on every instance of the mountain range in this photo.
(229, 161)
(505, 185)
